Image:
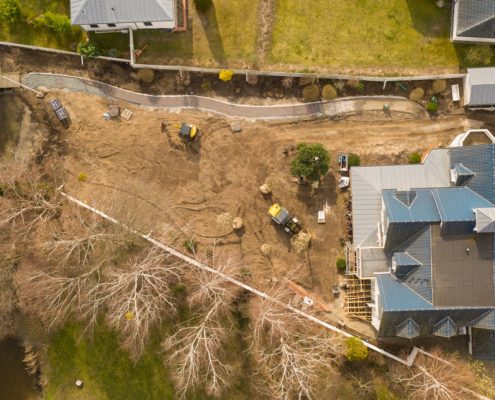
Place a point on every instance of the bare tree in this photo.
(137, 298)
(290, 355)
(436, 378)
(195, 350)
(55, 295)
(8, 298)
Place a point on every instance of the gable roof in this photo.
(474, 19)
(86, 12)
(481, 87)
(445, 328)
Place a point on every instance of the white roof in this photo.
(86, 12)
(485, 219)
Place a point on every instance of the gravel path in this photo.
(252, 112)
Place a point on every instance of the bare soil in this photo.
(138, 172)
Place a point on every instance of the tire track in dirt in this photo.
(266, 20)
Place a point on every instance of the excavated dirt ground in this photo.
(140, 174)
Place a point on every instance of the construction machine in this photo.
(282, 217)
(188, 131)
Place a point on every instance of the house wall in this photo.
(131, 25)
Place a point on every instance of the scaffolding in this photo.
(358, 297)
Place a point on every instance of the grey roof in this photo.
(457, 203)
(460, 277)
(367, 184)
(480, 160)
(482, 86)
(422, 209)
(395, 295)
(475, 18)
(85, 12)
(486, 321)
(408, 329)
(445, 328)
(374, 259)
(463, 174)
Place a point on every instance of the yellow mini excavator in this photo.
(282, 217)
(188, 131)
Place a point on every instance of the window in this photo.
(93, 25)
(147, 23)
(111, 25)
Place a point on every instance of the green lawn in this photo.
(25, 33)
(226, 35)
(376, 35)
(105, 369)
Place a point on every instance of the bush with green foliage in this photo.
(10, 10)
(356, 84)
(226, 75)
(432, 107)
(88, 49)
(191, 245)
(340, 264)
(312, 161)
(416, 94)
(355, 350)
(479, 55)
(382, 392)
(439, 86)
(202, 5)
(329, 92)
(353, 160)
(311, 93)
(414, 158)
(59, 23)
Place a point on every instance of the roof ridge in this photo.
(81, 9)
(476, 24)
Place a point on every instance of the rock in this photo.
(235, 127)
(305, 81)
(287, 82)
(265, 189)
(237, 223)
(266, 249)
(252, 79)
(300, 242)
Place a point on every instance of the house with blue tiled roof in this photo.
(424, 236)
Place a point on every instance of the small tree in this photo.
(353, 160)
(311, 93)
(414, 158)
(340, 264)
(88, 49)
(226, 75)
(312, 161)
(329, 92)
(355, 349)
(10, 10)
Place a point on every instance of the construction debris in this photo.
(265, 189)
(358, 298)
(237, 223)
(127, 114)
(300, 242)
(235, 127)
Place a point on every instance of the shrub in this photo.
(478, 55)
(414, 158)
(56, 22)
(10, 10)
(191, 245)
(383, 392)
(353, 160)
(312, 161)
(146, 75)
(202, 5)
(356, 84)
(88, 49)
(226, 75)
(432, 106)
(416, 94)
(329, 92)
(340, 264)
(355, 349)
(82, 177)
(439, 86)
(205, 85)
(311, 93)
